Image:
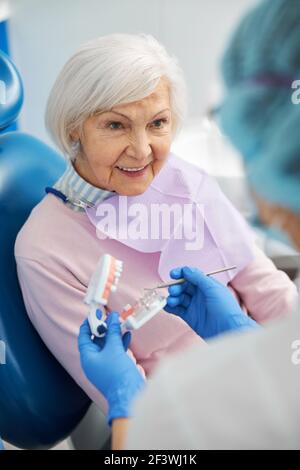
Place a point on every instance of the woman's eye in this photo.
(159, 123)
(115, 125)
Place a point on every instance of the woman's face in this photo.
(124, 148)
(272, 214)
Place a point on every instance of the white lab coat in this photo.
(240, 392)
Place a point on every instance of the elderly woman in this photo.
(113, 111)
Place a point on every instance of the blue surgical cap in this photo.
(258, 114)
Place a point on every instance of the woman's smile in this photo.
(133, 172)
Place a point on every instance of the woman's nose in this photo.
(139, 147)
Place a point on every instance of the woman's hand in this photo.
(107, 365)
(207, 306)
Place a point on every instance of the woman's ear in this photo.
(74, 135)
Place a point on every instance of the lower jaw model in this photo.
(103, 282)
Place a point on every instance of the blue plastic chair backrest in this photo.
(40, 404)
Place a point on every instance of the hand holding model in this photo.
(109, 368)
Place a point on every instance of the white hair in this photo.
(106, 72)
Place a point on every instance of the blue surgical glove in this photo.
(107, 365)
(207, 306)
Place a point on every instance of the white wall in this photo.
(44, 33)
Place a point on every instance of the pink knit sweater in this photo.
(56, 253)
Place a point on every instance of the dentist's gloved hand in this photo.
(109, 368)
(207, 306)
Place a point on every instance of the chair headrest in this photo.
(11, 91)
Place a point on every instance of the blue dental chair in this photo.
(40, 404)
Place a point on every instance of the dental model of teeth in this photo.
(103, 282)
(145, 309)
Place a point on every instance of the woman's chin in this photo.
(133, 191)
(134, 187)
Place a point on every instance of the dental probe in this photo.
(182, 280)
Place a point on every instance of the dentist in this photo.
(242, 391)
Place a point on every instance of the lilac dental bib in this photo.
(184, 216)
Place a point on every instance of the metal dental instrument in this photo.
(182, 280)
